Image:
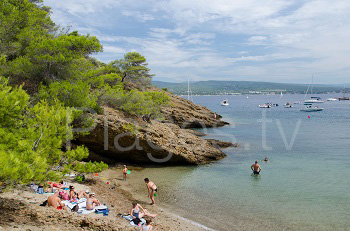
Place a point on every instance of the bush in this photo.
(31, 140)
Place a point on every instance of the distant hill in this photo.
(213, 87)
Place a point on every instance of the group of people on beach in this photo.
(137, 211)
(69, 194)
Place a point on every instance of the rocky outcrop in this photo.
(124, 137)
(187, 114)
(222, 144)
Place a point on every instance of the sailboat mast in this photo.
(189, 92)
(188, 88)
(312, 84)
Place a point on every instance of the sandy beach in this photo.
(20, 208)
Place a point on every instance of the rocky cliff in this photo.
(123, 137)
(187, 114)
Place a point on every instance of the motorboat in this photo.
(288, 105)
(265, 105)
(332, 99)
(224, 102)
(314, 100)
(297, 102)
(309, 107)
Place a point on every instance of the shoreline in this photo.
(117, 195)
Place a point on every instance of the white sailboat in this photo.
(189, 92)
(313, 99)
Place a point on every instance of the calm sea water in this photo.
(304, 187)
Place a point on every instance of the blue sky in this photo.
(252, 40)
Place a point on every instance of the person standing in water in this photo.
(256, 168)
(125, 172)
(152, 189)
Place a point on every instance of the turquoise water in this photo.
(305, 187)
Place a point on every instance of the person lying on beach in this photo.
(64, 195)
(54, 185)
(147, 226)
(256, 168)
(92, 202)
(79, 195)
(55, 202)
(125, 172)
(152, 189)
(136, 213)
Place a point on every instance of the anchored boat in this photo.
(309, 107)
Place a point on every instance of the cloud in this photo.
(247, 39)
(143, 17)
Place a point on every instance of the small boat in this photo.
(310, 108)
(265, 105)
(314, 100)
(332, 99)
(297, 102)
(344, 97)
(224, 102)
(288, 105)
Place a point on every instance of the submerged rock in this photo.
(222, 144)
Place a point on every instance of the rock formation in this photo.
(124, 137)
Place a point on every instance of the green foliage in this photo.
(90, 167)
(130, 128)
(71, 95)
(79, 179)
(31, 139)
(139, 103)
(54, 66)
(133, 68)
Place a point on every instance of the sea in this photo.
(305, 185)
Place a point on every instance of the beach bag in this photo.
(75, 208)
(102, 211)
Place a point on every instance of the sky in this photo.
(253, 40)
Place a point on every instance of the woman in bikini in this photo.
(79, 195)
(92, 202)
(152, 189)
(135, 211)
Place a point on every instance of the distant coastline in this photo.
(246, 88)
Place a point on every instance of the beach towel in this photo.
(82, 206)
(132, 220)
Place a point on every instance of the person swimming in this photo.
(256, 168)
(266, 160)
